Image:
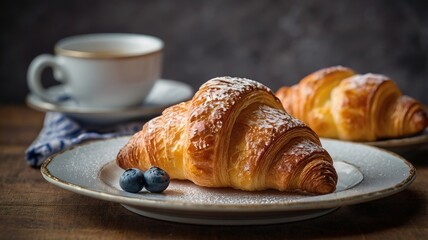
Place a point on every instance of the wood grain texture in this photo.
(30, 207)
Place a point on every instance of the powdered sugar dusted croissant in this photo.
(338, 103)
(233, 133)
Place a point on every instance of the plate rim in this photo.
(253, 208)
(420, 138)
(413, 140)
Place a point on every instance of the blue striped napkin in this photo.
(60, 132)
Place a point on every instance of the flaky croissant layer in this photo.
(338, 103)
(233, 133)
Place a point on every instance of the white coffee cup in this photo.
(109, 70)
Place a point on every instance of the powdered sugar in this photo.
(359, 81)
(303, 148)
(277, 120)
(213, 102)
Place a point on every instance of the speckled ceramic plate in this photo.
(365, 173)
(164, 94)
(403, 145)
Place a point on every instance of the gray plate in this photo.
(365, 173)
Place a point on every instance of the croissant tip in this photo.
(119, 158)
(122, 158)
(323, 185)
(320, 189)
(326, 188)
(322, 179)
(421, 119)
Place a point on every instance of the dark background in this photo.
(274, 42)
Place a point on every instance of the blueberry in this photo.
(132, 180)
(156, 180)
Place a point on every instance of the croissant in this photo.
(234, 133)
(338, 103)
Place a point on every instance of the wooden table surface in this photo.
(32, 208)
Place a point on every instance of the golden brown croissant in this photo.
(233, 133)
(337, 103)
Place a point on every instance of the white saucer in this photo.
(164, 94)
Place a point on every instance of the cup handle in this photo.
(34, 74)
